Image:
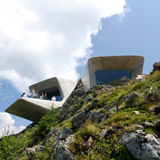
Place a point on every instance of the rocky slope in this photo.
(118, 123)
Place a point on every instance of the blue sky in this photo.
(44, 37)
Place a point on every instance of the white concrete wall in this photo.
(131, 63)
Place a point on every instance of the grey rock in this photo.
(95, 117)
(114, 109)
(104, 116)
(62, 134)
(109, 86)
(79, 116)
(30, 152)
(61, 151)
(147, 124)
(157, 109)
(103, 133)
(136, 112)
(50, 134)
(39, 148)
(143, 148)
(140, 132)
(79, 91)
(88, 98)
(69, 140)
(133, 95)
(139, 127)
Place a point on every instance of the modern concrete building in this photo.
(98, 70)
(110, 68)
(34, 108)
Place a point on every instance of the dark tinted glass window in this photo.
(105, 76)
(56, 93)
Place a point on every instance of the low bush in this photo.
(47, 122)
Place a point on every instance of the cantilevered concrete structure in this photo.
(134, 64)
(33, 108)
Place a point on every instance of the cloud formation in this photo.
(42, 39)
(7, 125)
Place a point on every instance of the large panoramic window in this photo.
(105, 76)
(54, 93)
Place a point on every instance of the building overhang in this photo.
(132, 63)
(33, 109)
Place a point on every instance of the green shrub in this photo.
(12, 146)
(47, 122)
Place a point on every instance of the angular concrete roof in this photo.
(33, 109)
(131, 63)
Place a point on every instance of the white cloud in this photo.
(7, 125)
(42, 39)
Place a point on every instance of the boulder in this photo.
(156, 66)
(61, 151)
(95, 116)
(136, 112)
(139, 127)
(109, 86)
(140, 77)
(89, 142)
(62, 134)
(147, 124)
(50, 134)
(79, 118)
(142, 148)
(107, 131)
(103, 133)
(79, 91)
(113, 109)
(80, 115)
(31, 151)
(140, 132)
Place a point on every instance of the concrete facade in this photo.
(33, 109)
(132, 63)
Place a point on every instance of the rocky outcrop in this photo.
(31, 151)
(79, 118)
(50, 136)
(156, 66)
(62, 134)
(142, 147)
(60, 150)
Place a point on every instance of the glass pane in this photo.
(54, 93)
(105, 76)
